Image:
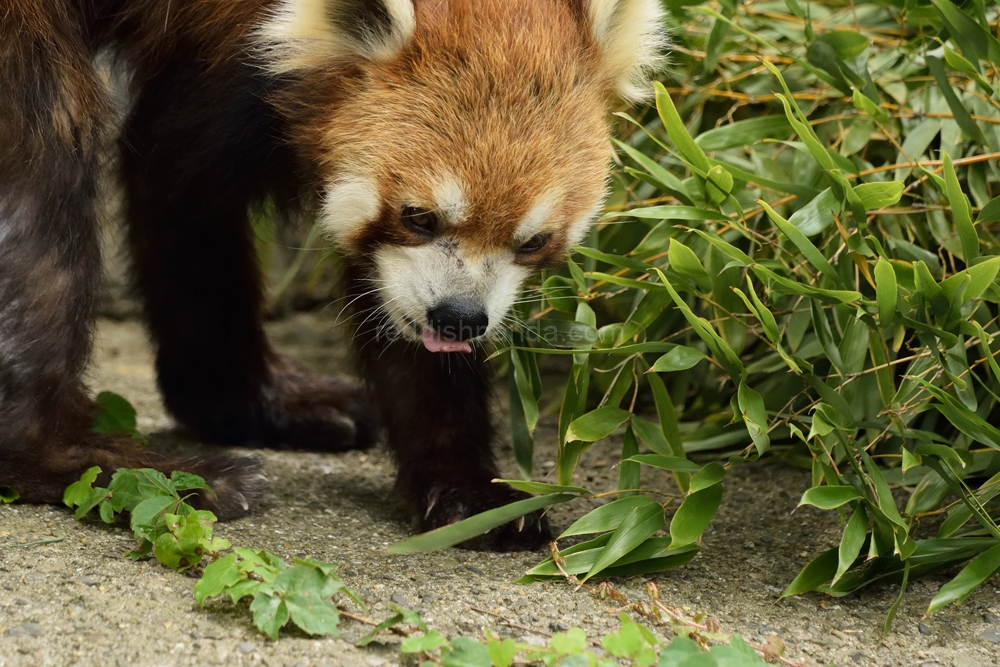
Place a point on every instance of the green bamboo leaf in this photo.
(829, 497)
(607, 517)
(449, 536)
(886, 291)
(727, 249)
(870, 107)
(805, 246)
(629, 472)
(667, 181)
(679, 135)
(720, 349)
(972, 576)
(672, 463)
(597, 424)
(976, 39)
(668, 213)
(744, 133)
(990, 212)
(961, 211)
(681, 358)
(543, 488)
(525, 390)
(686, 263)
(652, 305)
(819, 572)
(694, 515)
(786, 286)
(851, 542)
(711, 474)
(757, 307)
(958, 110)
(640, 524)
(751, 405)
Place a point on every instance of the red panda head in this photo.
(460, 144)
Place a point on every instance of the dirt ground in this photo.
(79, 601)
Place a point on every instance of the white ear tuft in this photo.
(633, 41)
(302, 34)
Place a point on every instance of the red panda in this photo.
(448, 147)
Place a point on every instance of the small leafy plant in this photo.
(632, 644)
(181, 537)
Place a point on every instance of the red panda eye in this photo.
(419, 220)
(534, 244)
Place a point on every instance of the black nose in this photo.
(459, 318)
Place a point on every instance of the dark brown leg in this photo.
(190, 178)
(437, 416)
(51, 114)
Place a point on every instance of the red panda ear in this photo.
(633, 39)
(303, 34)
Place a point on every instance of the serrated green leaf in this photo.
(80, 491)
(465, 652)
(431, 641)
(217, 577)
(269, 614)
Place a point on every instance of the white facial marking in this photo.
(581, 227)
(451, 200)
(349, 204)
(535, 221)
(414, 280)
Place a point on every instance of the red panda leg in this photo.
(198, 150)
(436, 410)
(51, 119)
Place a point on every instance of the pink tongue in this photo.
(434, 343)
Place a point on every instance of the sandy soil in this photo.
(79, 601)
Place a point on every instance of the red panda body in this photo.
(449, 148)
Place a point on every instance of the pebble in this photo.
(398, 598)
(767, 630)
(924, 630)
(992, 618)
(247, 647)
(558, 627)
(26, 630)
(991, 636)
(89, 580)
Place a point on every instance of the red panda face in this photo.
(464, 143)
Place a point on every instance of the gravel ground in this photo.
(79, 601)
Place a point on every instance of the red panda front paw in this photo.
(237, 484)
(445, 506)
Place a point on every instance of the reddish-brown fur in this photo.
(509, 96)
